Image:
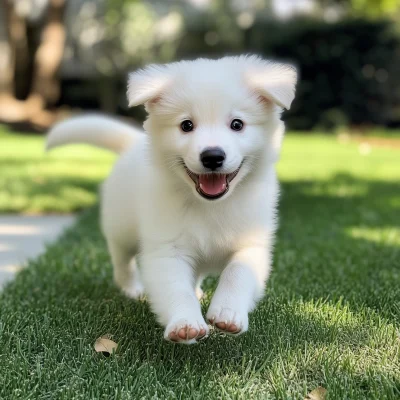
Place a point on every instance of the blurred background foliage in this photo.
(347, 52)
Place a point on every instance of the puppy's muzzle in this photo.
(213, 158)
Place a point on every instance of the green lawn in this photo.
(330, 317)
(63, 180)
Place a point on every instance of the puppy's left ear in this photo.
(273, 81)
(147, 85)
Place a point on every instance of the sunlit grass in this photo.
(322, 157)
(63, 180)
(66, 179)
(389, 236)
(330, 317)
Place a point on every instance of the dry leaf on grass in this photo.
(318, 393)
(105, 345)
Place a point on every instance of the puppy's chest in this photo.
(214, 238)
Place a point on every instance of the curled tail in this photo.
(98, 130)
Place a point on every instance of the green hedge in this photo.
(349, 70)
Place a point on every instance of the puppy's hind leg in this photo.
(198, 289)
(126, 272)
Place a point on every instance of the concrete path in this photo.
(24, 237)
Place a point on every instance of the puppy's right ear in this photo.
(146, 85)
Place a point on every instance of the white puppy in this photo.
(197, 194)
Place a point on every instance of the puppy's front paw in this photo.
(228, 320)
(186, 331)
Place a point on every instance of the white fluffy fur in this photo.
(151, 213)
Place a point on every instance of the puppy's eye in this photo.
(237, 125)
(187, 125)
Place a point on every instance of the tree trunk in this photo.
(48, 57)
(7, 61)
(18, 37)
(45, 87)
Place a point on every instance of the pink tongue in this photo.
(213, 184)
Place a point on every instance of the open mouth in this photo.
(214, 185)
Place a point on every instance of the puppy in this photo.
(196, 193)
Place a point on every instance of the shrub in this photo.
(348, 70)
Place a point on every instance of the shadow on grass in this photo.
(24, 128)
(328, 289)
(345, 245)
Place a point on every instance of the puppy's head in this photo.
(213, 121)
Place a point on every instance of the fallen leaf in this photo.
(105, 345)
(318, 393)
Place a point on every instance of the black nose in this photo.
(212, 158)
